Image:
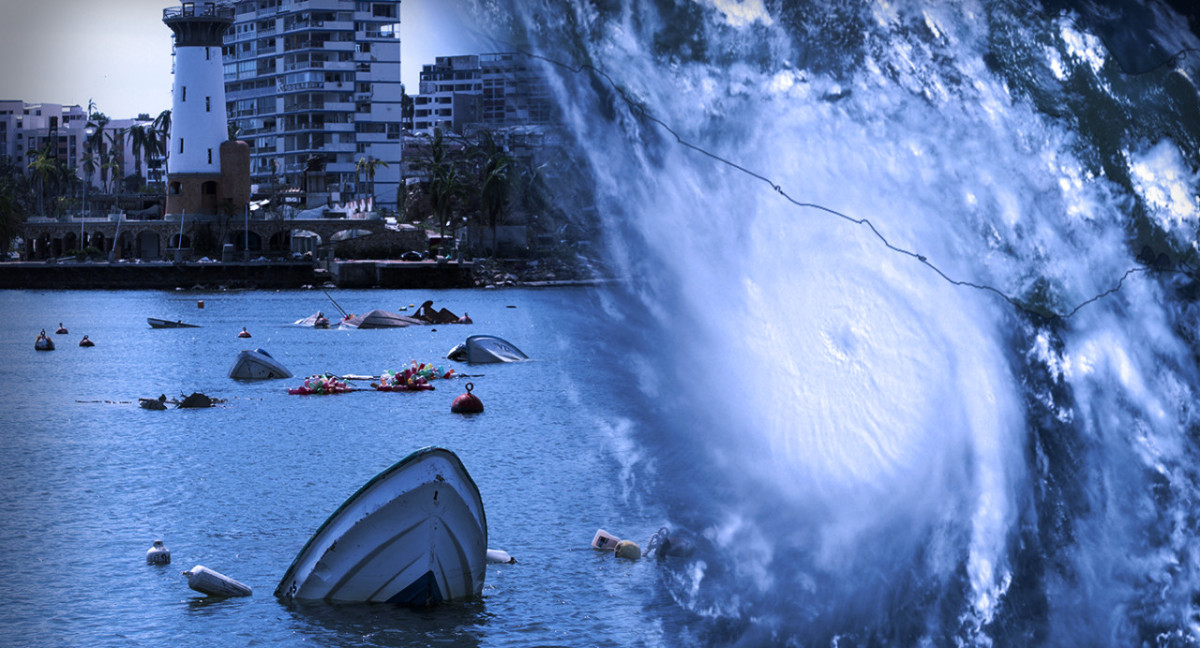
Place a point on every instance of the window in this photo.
(208, 104)
(207, 55)
(183, 94)
(210, 156)
(181, 145)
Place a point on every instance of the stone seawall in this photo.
(123, 276)
(266, 275)
(402, 274)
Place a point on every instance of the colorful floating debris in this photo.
(415, 377)
(321, 384)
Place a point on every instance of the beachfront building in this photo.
(489, 91)
(62, 131)
(313, 86)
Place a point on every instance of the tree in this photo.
(46, 169)
(493, 190)
(446, 184)
(98, 121)
(16, 197)
(367, 166)
(141, 141)
(116, 158)
(162, 126)
(90, 163)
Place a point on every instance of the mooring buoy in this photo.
(467, 403)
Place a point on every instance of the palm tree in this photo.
(367, 166)
(446, 184)
(141, 140)
(89, 163)
(44, 168)
(97, 123)
(115, 158)
(493, 190)
(162, 126)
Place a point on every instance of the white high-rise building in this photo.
(314, 87)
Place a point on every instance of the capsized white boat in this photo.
(415, 534)
(316, 320)
(379, 319)
(486, 348)
(257, 365)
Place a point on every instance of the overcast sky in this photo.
(118, 52)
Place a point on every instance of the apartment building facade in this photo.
(492, 91)
(27, 128)
(61, 130)
(313, 86)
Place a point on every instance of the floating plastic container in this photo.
(206, 581)
(604, 541)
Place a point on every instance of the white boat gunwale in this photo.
(308, 557)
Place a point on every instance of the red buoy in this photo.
(467, 403)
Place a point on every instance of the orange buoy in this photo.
(467, 403)
(200, 304)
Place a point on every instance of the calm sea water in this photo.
(88, 480)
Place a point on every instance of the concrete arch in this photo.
(280, 241)
(239, 240)
(148, 245)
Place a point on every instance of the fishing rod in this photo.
(344, 313)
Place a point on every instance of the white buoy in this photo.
(206, 581)
(500, 557)
(158, 554)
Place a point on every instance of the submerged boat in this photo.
(161, 323)
(379, 319)
(257, 365)
(480, 349)
(415, 534)
(316, 320)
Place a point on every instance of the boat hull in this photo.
(257, 365)
(161, 323)
(414, 535)
(483, 349)
(379, 319)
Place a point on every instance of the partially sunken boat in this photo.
(480, 349)
(379, 319)
(316, 320)
(161, 323)
(414, 535)
(257, 365)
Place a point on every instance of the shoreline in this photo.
(267, 275)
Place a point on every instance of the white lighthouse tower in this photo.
(208, 174)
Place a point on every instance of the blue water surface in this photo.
(88, 479)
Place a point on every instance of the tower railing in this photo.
(198, 10)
